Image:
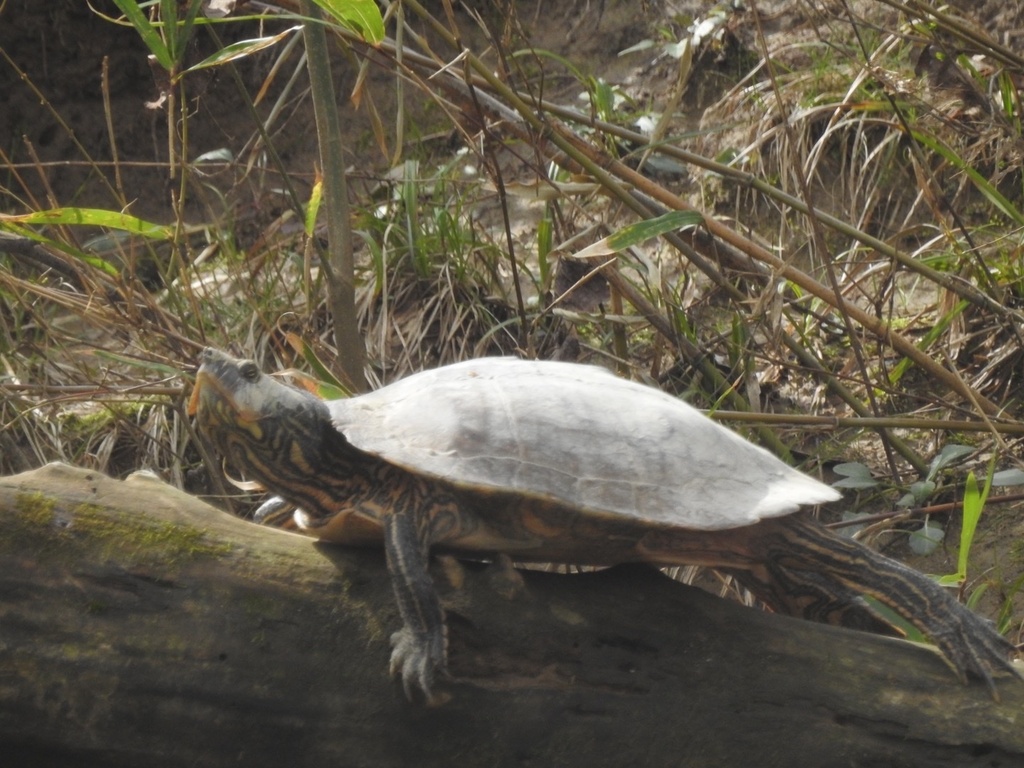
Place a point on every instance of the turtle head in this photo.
(259, 424)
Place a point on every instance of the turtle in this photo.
(542, 461)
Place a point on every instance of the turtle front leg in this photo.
(419, 647)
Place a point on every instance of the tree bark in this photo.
(139, 626)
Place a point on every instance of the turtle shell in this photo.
(577, 435)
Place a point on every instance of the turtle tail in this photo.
(823, 574)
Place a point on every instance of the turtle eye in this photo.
(249, 370)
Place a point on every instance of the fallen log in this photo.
(140, 626)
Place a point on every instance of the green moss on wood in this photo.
(35, 508)
(43, 526)
(36, 524)
(142, 538)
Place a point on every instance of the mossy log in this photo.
(140, 626)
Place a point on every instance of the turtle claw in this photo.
(974, 649)
(419, 659)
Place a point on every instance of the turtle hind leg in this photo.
(811, 596)
(419, 647)
(969, 643)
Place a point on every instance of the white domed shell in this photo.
(577, 434)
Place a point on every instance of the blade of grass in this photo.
(95, 217)
(984, 186)
(149, 33)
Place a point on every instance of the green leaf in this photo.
(177, 33)
(243, 48)
(921, 490)
(906, 500)
(983, 185)
(975, 598)
(1005, 477)
(545, 233)
(316, 198)
(603, 95)
(948, 455)
(361, 16)
(974, 503)
(929, 338)
(927, 538)
(913, 633)
(327, 385)
(640, 232)
(149, 34)
(93, 217)
(62, 247)
(855, 475)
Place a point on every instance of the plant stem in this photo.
(339, 264)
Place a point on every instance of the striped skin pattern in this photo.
(362, 471)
